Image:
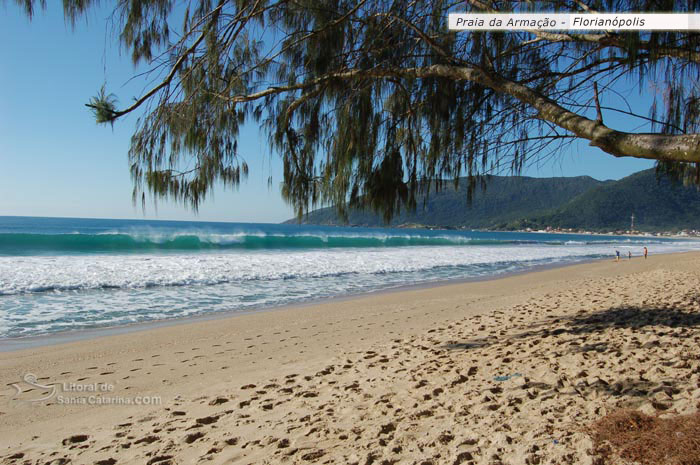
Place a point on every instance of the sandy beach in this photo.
(507, 371)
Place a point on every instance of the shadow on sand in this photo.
(657, 320)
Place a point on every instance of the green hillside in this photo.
(506, 200)
(520, 202)
(656, 205)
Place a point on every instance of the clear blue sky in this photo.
(55, 160)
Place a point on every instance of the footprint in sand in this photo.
(77, 438)
(192, 437)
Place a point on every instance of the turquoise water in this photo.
(59, 274)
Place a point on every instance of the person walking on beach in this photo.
(617, 255)
(645, 252)
(629, 254)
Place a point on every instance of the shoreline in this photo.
(418, 375)
(68, 336)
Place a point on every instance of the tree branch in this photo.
(171, 74)
(610, 40)
(683, 148)
(599, 113)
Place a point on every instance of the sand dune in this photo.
(508, 371)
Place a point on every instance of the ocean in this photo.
(68, 274)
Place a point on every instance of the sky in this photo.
(56, 161)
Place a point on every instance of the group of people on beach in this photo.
(629, 254)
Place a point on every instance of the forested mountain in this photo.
(656, 205)
(520, 202)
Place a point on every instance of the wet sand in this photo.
(502, 371)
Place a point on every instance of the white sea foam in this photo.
(41, 294)
(82, 272)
